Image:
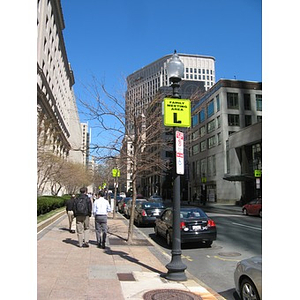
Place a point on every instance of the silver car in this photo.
(247, 278)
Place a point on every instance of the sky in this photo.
(112, 39)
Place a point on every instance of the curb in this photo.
(49, 221)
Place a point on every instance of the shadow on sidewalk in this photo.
(126, 256)
(74, 242)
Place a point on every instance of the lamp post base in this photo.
(176, 269)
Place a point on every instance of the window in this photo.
(219, 138)
(191, 70)
(202, 131)
(203, 146)
(232, 101)
(202, 115)
(195, 70)
(212, 142)
(218, 102)
(194, 120)
(211, 126)
(248, 120)
(210, 109)
(211, 165)
(218, 122)
(247, 102)
(233, 120)
(195, 149)
(258, 102)
(194, 135)
(186, 69)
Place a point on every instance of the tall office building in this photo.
(59, 129)
(144, 85)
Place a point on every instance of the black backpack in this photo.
(81, 206)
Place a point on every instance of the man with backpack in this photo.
(82, 212)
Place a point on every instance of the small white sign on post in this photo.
(179, 153)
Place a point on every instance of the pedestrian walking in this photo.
(70, 213)
(100, 209)
(82, 209)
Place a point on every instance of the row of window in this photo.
(195, 76)
(206, 144)
(208, 128)
(199, 71)
(204, 167)
(232, 103)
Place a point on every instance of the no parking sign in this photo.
(179, 153)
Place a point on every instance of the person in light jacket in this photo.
(101, 208)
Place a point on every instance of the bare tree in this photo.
(119, 126)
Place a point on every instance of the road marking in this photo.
(187, 257)
(221, 258)
(256, 228)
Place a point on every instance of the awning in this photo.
(241, 177)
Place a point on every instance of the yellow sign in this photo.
(257, 173)
(177, 112)
(115, 172)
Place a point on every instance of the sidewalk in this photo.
(121, 271)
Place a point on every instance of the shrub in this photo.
(48, 203)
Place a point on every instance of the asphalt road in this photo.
(238, 237)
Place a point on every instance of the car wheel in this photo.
(169, 240)
(260, 213)
(208, 243)
(245, 212)
(248, 290)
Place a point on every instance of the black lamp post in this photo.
(176, 267)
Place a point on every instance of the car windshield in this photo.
(192, 213)
(153, 205)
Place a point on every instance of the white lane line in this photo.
(256, 228)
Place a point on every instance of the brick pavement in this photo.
(121, 271)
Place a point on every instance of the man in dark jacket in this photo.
(82, 209)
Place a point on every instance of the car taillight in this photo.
(182, 225)
(211, 223)
(144, 214)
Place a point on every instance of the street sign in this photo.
(179, 153)
(257, 173)
(177, 112)
(115, 172)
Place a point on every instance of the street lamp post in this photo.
(176, 268)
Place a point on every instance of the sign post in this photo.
(177, 113)
(115, 174)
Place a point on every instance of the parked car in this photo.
(147, 212)
(254, 208)
(122, 204)
(247, 278)
(155, 197)
(127, 208)
(195, 226)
